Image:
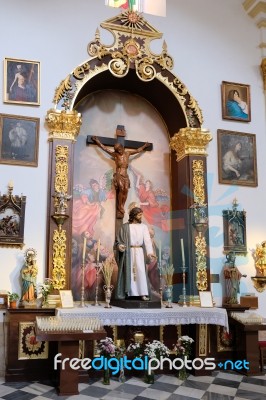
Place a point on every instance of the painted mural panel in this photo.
(94, 195)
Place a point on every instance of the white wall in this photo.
(210, 41)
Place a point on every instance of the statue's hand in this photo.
(121, 247)
(94, 138)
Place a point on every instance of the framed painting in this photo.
(29, 348)
(21, 81)
(12, 218)
(237, 160)
(235, 237)
(19, 140)
(236, 101)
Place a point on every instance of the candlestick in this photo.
(98, 251)
(182, 251)
(84, 248)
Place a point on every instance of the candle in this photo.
(84, 249)
(182, 251)
(98, 250)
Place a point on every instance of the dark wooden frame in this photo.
(15, 69)
(12, 208)
(228, 140)
(25, 151)
(231, 106)
(235, 236)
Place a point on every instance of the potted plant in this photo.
(13, 298)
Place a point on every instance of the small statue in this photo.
(61, 202)
(29, 276)
(232, 277)
(260, 258)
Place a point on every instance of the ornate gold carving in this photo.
(61, 169)
(203, 338)
(130, 50)
(59, 259)
(198, 181)
(63, 124)
(263, 69)
(201, 274)
(190, 141)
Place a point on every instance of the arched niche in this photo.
(128, 65)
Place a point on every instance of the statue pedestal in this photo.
(135, 302)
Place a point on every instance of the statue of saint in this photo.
(120, 178)
(232, 277)
(29, 276)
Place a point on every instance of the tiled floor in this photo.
(219, 386)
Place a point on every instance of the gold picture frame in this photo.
(236, 101)
(19, 140)
(21, 81)
(28, 347)
(237, 158)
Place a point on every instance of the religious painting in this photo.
(237, 159)
(236, 101)
(21, 82)
(94, 195)
(12, 217)
(19, 140)
(29, 348)
(234, 222)
(224, 339)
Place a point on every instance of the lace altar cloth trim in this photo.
(150, 317)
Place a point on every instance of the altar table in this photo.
(177, 315)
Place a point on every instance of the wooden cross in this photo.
(130, 144)
(120, 133)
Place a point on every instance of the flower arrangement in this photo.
(167, 273)
(156, 349)
(183, 346)
(107, 347)
(108, 268)
(45, 288)
(136, 349)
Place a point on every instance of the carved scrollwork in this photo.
(145, 70)
(118, 67)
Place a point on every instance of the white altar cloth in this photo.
(149, 317)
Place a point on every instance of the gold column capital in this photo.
(63, 124)
(263, 69)
(190, 141)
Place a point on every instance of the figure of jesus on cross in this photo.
(121, 158)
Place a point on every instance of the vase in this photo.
(182, 374)
(169, 295)
(122, 377)
(108, 293)
(106, 376)
(149, 377)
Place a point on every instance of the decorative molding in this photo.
(63, 124)
(263, 69)
(190, 141)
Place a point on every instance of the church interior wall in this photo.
(210, 41)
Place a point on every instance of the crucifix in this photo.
(121, 158)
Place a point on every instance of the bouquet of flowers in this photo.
(45, 288)
(156, 349)
(106, 347)
(183, 346)
(136, 349)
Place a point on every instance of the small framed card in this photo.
(206, 299)
(66, 298)
(3, 300)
